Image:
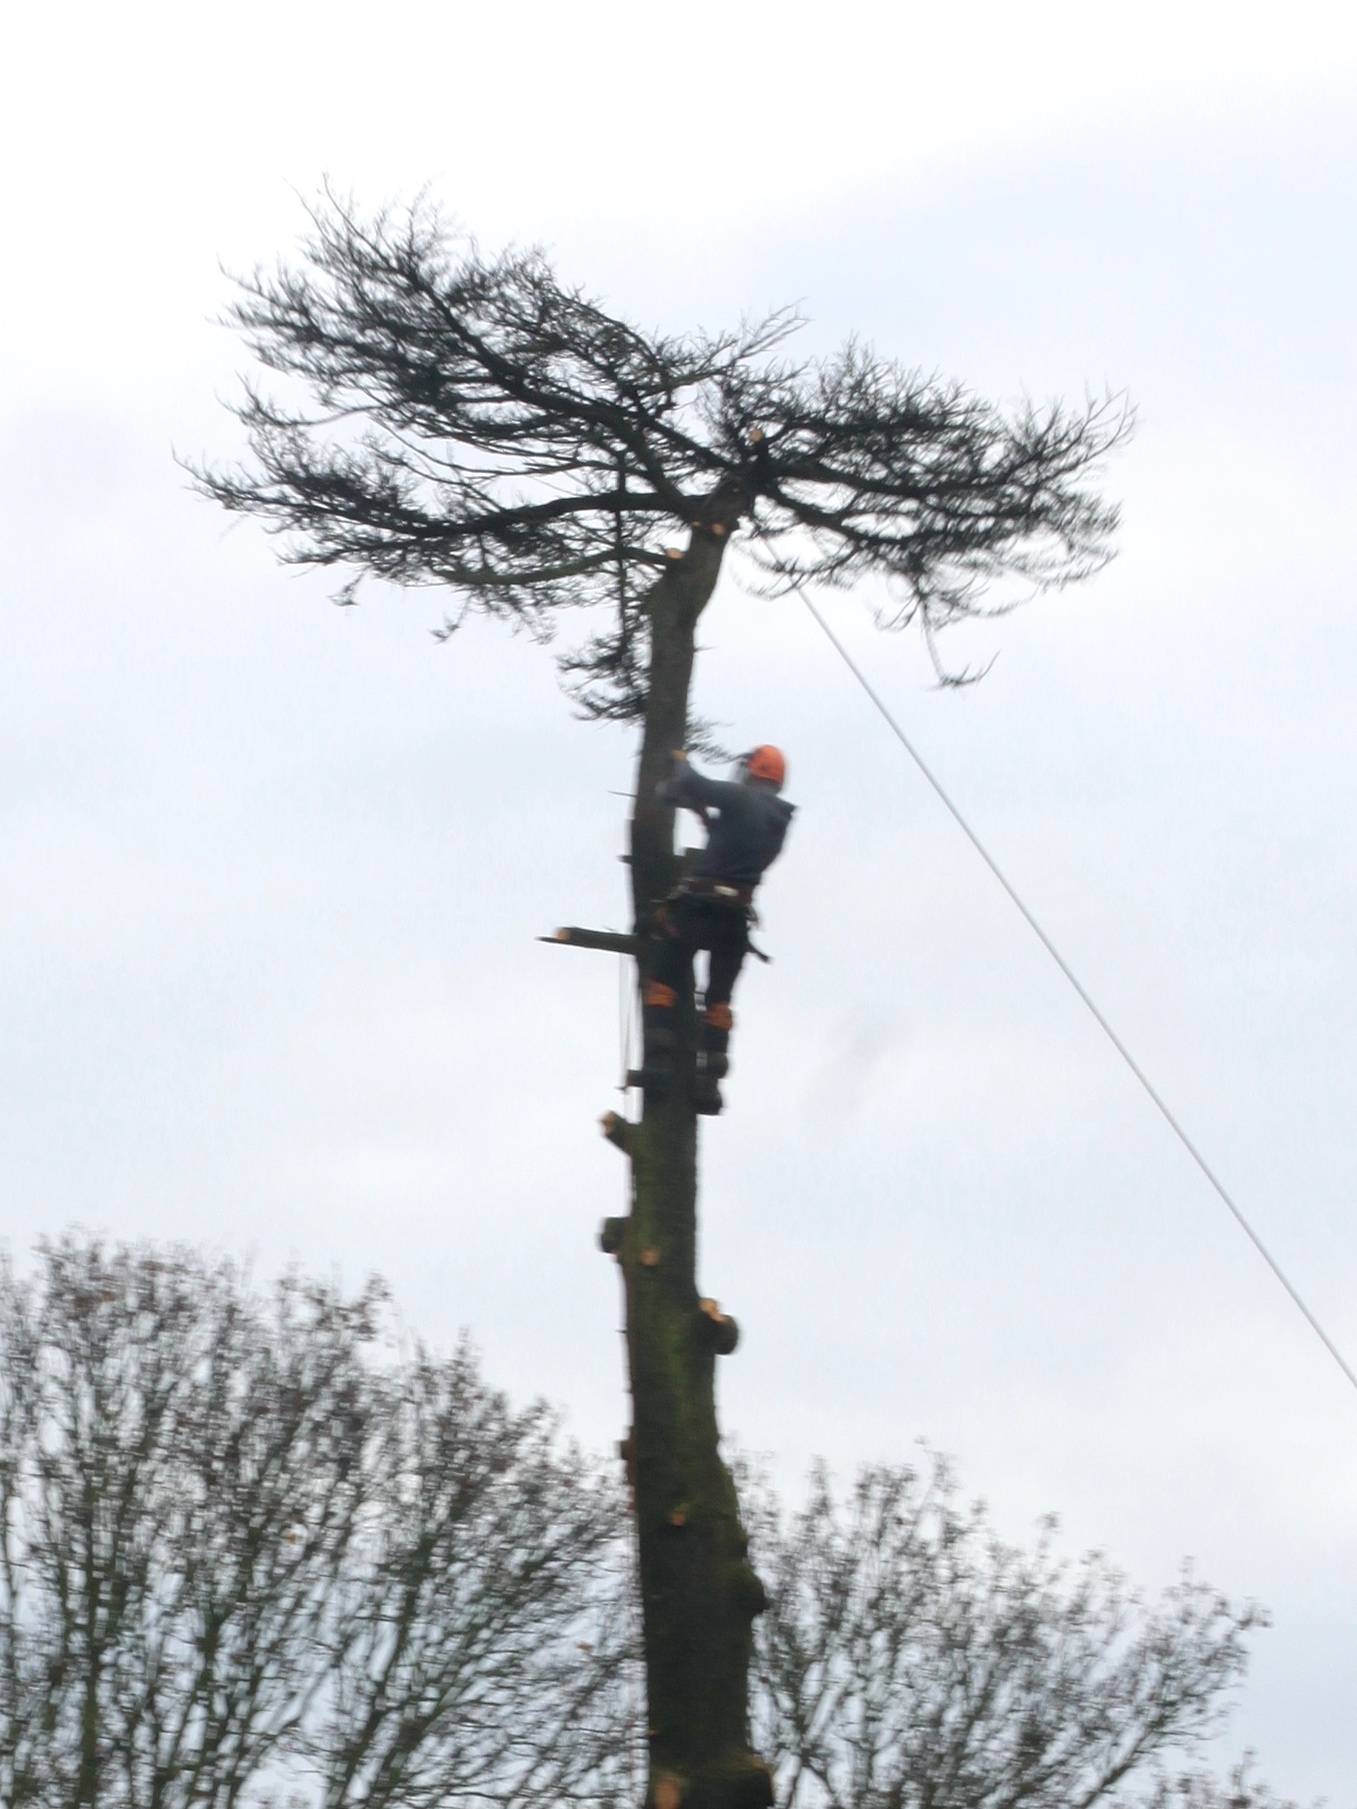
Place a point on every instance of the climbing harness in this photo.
(732, 894)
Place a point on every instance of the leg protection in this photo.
(728, 943)
(727, 958)
(717, 1023)
(715, 1064)
(707, 1096)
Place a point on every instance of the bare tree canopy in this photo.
(910, 1659)
(243, 1555)
(254, 1552)
(472, 422)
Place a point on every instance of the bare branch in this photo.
(472, 422)
(909, 1657)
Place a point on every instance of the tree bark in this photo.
(699, 1594)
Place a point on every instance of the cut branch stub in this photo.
(722, 1333)
(618, 1130)
(668, 1793)
(612, 942)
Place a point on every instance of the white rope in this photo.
(1074, 981)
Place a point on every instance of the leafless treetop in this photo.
(473, 422)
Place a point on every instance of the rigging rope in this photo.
(1074, 981)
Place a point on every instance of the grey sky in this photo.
(273, 871)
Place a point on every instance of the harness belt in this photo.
(735, 894)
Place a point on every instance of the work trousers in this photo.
(688, 924)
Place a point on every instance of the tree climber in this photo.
(712, 909)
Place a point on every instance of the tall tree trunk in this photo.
(699, 1594)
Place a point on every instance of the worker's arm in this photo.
(688, 788)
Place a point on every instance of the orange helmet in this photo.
(766, 763)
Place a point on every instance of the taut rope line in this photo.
(1075, 982)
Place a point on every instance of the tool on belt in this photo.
(735, 893)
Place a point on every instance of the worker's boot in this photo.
(717, 1023)
(659, 1029)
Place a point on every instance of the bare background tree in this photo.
(241, 1553)
(475, 424)
(910, 1658)
(255, 1550)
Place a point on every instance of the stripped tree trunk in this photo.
(699, 1594)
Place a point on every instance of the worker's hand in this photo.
(678, 754)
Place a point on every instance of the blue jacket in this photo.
(746, 824)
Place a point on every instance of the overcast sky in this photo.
(273, 871)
